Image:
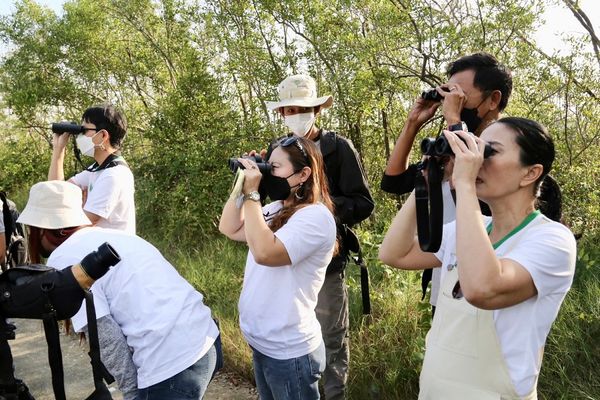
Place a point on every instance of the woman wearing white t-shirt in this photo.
(503, 278)
(291, 242)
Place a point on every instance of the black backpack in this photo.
(17, 252)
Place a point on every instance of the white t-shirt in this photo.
(160, 313)
(547, 250)
(449, 216)
(277, 304)
(111, 196)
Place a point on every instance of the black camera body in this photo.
(48, 294)
(439, 147)
(71, 128)
(433, 95)
(263, 167)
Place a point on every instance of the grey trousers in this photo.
(332, 313)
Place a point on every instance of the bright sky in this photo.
(559, 20)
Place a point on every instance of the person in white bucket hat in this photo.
(299, 105)
(152, 351)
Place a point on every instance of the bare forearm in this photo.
(56, 170)
(259, 236)
(400, 247)
(398, 161)
(479, 266)
(232, 218)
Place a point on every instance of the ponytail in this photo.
(549, 200)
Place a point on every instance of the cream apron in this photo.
(463, 360)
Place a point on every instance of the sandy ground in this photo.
(31, 362)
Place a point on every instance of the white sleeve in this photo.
(548, 254)
(82, 179)
(100, 305)
(104, 194)
(63, 261)
(311, 229)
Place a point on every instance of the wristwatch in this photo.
(461, 126)
(254, 196)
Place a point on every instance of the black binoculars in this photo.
(433, 94)
(439, 146)
(263, 167)
(71, 128)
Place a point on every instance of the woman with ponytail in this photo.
(503, 277)
(291, 241)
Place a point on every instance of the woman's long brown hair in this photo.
(314, 190)
(35, 244)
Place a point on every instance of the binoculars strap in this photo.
(430, 206)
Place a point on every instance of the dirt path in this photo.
(31, 362)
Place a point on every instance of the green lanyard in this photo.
(522, 225)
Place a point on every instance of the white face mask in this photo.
(300, 124)
(85, 144)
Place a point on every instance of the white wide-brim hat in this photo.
(54, 205)
(299, 90)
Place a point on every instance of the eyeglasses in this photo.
(291, 140)
(85, 129)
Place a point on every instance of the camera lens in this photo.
(97, 263)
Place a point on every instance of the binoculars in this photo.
(71, 128)
(432, 94)
(263, 167)
(438, 147)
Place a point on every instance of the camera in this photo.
(432, 94)
(263, 167)
(71, 128)
(96, 263)
(42, 292)
(440, 147)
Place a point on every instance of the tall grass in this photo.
(387, 347)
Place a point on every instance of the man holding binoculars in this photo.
(477, 91)
(107, 184)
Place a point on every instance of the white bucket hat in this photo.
(299, 90)
(54, 205)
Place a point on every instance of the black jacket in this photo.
(348, 186)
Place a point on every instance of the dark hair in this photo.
(54, 236)
(537, 147)
(106, 116)
(314, 190)
(490, 75)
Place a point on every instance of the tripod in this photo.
(10, 387)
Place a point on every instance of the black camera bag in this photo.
(41, 292)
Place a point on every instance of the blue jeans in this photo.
(191, 383)
(291, 379)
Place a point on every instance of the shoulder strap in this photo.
(99, 371)
(111, 161)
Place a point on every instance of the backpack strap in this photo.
(353, 245)
(53, 341)
(99, 371)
